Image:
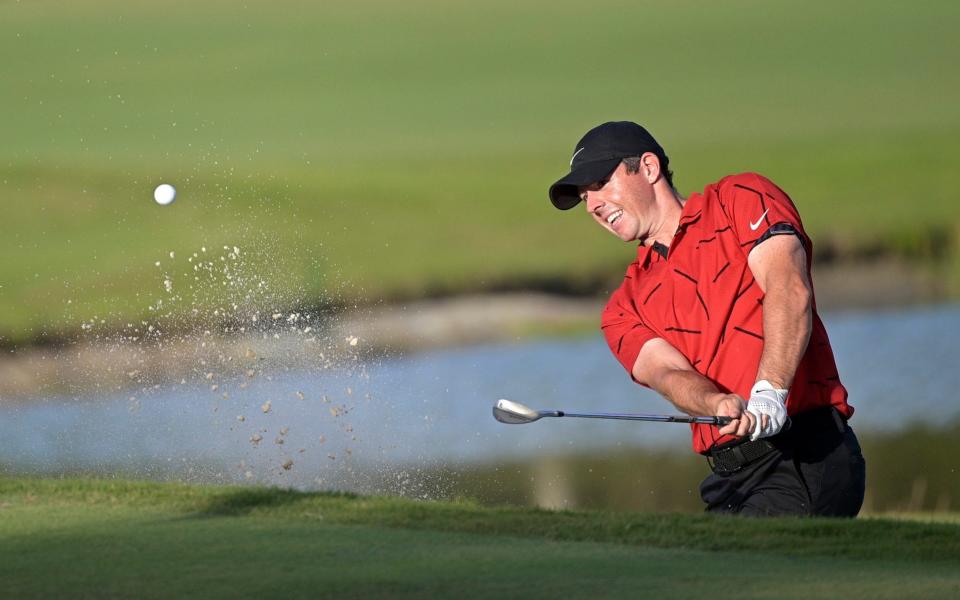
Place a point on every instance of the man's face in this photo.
(619, 203)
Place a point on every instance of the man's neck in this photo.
(669, 208)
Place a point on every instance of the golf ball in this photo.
(164, 194)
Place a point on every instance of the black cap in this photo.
(598, 153)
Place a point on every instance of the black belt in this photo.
(734, 456)
(730, 458)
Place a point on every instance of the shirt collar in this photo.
(692, 209)
(646, 255)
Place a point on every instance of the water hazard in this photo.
(380, 424)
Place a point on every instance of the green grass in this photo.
(382, 150)
(96, 538)
(909, 471)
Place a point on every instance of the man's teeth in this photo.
(614, 216)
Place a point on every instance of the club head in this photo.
(514, 413)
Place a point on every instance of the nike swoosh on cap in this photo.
(575, 155)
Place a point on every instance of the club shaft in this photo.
(658, 418)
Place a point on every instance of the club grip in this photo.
(722, 420)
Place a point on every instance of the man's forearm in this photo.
(787, 322)
(662, 367)
(689, 391)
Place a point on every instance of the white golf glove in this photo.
(767, 400)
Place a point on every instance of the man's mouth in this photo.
(614, 217)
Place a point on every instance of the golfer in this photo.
(718, 315)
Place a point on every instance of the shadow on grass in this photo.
(244, 501)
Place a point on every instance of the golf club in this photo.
(514, 413)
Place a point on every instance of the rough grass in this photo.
(98, 538)
(874, 538)
(909, 471)
(382, 150)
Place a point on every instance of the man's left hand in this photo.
(768, 405)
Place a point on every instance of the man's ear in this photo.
(650, 167)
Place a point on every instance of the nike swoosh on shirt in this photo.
(575, 155)
(753, 226)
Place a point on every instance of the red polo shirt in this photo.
(703, 300)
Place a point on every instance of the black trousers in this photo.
(816, 469)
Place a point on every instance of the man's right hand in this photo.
(742, 422)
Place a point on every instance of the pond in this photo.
(379, 420)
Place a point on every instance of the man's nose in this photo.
(593, 203)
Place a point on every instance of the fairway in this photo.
(87, 538)
(383, 151)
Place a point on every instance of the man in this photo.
(717, 314)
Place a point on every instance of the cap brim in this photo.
(564, 194)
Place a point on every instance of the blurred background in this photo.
(361, 257)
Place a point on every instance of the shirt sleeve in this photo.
(758, 209)
(624, 329)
